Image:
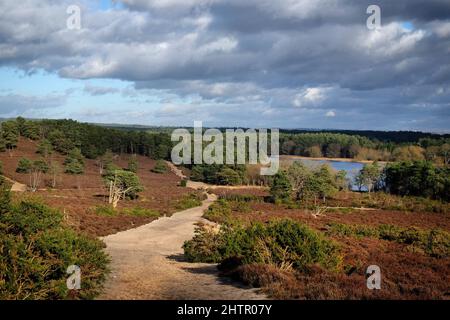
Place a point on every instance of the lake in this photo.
(351, 168)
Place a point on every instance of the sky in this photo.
(254, 63)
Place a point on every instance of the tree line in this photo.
(92, 140)
(338, 145)
(410, 178)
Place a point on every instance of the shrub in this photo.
(204, 247)
(36, 249)
(133, 164)
(160, 167)
(183, 183)
(241, 197)
(106, 211)
(24, 166)
(282, 243)
(189, 201)
(219, 211)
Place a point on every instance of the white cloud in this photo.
(310, 97)
(330, 114)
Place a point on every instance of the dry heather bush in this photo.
(263, 275)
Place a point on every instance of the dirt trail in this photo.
(147, 263)
(201, 185)
(16, 186)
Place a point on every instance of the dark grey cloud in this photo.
(286, 63)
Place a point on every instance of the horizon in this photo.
(143, 126)
(291, 64)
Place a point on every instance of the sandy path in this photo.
(16, 186)
(147, 263)
(201, 185)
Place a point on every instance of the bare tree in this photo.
(38, 168)
(55, 171)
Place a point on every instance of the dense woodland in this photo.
(92, 140)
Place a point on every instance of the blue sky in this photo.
(287, 64)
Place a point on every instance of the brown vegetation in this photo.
(407, 273)
(79, 196)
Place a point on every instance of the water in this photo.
(351, 168)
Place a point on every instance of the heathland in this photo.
(301, 234)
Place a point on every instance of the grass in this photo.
(134, 212)
(141, 212)
(191, 200)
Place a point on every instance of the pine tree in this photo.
(45, 148)
(133, 164)
(74, 163)
(24, 166)
(280, 187)
(10, 133)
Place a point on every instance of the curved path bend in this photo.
(147, 264)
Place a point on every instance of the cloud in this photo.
(330, 114)
(284, 62)
(18, 104)
(99, 91)
(310, 97)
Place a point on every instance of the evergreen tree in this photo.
(2, 143)
(369, 176)
(228, 176)
(280, 187)
(133, 164)
(10, 133)
(45, 148)
(74, 163)
(160, 167)
(24, 166)
(122, 184)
